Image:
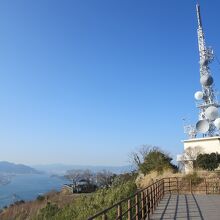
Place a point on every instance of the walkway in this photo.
(195, 207)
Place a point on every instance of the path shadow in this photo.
(178, 207)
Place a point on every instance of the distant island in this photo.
(8, 170)
(12, 168)
(61, 169)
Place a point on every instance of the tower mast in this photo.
(209, 105)
(209, 121)
(201, 40)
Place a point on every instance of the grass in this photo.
(87, 205)
(62, 206)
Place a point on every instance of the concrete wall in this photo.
(207, 145)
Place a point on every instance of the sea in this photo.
(28, 186)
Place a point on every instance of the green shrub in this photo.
(40, 198)
(208, 161)
(48, 212)
(84, 206)
(156, 160)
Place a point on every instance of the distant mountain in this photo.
(11, 168)
(62, 168)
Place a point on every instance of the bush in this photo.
(19, 202)
(208, 161)
(40, 198)
(48, 212)
(195, 179)
(84, 206)
(156, 160)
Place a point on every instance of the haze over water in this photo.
(28, 187)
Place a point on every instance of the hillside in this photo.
(11, 168)
(65, 205)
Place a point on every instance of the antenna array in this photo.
(209, 121)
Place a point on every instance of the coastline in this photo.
(27, 187)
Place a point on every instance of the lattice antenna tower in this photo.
(209, 121)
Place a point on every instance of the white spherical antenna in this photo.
(217, 123)
(206, 80)
(202, 126)
(211, 113)
(198, 95)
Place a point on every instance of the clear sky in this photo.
(88, 81)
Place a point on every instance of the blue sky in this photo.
(88, 81)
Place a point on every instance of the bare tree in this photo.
(88, 175)
(191, 153)
(74, 174)
(80, 174)
(105, 178)
(138, 157)
(189, 156)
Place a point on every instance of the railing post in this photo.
(104, 217)
(163, 187)
(151, 199)
(142, 205)
(148, 204)
(177, 184)
(169, 185)
(154, 197)
(136, 207)
(190, 185)
(157, 194)
(205, 187)
(129, 210)
(119, 212)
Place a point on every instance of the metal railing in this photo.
(196, 186)
(138, 206)
(143, 203)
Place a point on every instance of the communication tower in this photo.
(208, 121)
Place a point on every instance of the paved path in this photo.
(205, 207)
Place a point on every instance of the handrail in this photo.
(138, 202)
(147, 199)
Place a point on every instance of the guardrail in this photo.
(143, 203)
(197, 186)
(138, 206)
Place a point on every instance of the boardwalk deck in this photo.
(169, 198)
(195, 207)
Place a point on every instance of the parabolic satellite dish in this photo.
(206, 80)
(198, 95)
(202, 126)
(217, 123)
(211, 113)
